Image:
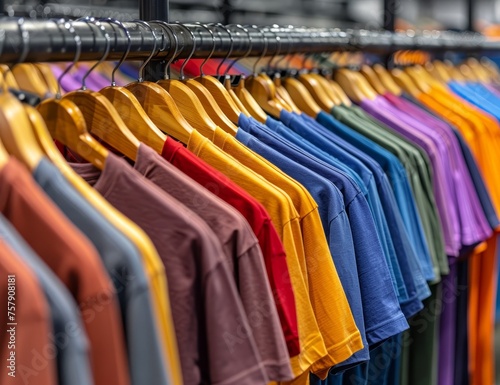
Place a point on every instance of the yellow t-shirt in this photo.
(286, 220)
(335, 320)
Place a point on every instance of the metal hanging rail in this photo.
(50, 40)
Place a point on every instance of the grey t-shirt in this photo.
(213, 336)
(70, 340)
(123, 265)
(242, 253)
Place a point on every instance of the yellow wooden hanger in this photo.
(102, 119)
(206, 98)
(386, 79)
(187, 101)
(344, 99)
(405, 82)
(374, 80)
(48, 76)
(315, 89)
(418, 78)
(217, 89)
(491, 69)
(453, 71)
(324, 83)
(439, 71)
(129, 108)
(481, 74)
(355, 85)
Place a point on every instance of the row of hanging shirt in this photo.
(344, 244)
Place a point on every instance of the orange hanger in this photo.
(101, 117)
(129, 108)
(387, 80)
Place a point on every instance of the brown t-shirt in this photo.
(27, 326)
(75, 262)
(242, 253)
(213, 336)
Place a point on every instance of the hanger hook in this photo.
(25, 39)
(68, 24)
(278, 48)
(230, 48)
(127, 51)
(211, 51)
(181, 76)
(105, 34)
(264, 51)
(163, 25)
(289, 38)
(153, 52)
(245, 55)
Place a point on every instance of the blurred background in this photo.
(370, 14)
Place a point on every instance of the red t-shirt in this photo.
(260, 222)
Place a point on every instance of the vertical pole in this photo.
(226, 11)
(389, 15)
(471, 15)
(153, 10)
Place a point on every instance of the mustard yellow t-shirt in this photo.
(286, 220)
(336, 322)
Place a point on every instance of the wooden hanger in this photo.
(405, 82)
(187, 101)
(4, 155)
(101, 118)
(249, 102)
(386, 79)
(29, 79)
(327, 88)
(344, 99)
(129, 108)
(319, 95)
(439, 71)
(301, 96)
(16, 133)
(283, 96)
(491, 69)
(8, 78)
(419, 80)
(355, 85)
(467, 72)
(48, 76)
(453, 71)
(481, 74)
(372, 78)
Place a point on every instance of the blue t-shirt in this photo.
(412, 303)
(378, 297)
(389, 213)
(69, 336)
(478, 95)
(124, 266)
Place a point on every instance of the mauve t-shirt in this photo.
(260, 222)
(242, 253)
(207, 312)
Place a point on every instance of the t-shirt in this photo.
(286, 220)
(124, 267)
(71, 355)
(416, 202)
(384, 282)
(310, 223)
(75, 261)
(241, 251)
(406, 259)
(261, 224)
(26, 321)
(208, 316)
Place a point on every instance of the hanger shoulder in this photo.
(264, 95)
(221, 96)
(211, 106)
(189, 105)
(372, 78)
(349, 85)
(48, 76)
(386, 79)
(405, 82)
(16, 133)
(134, 116)
(344, 99)
(29, 79)
(8, 77)
(301, 96)
(66, 123)
(325, 85)
(162, 109)
(316, 91)
(249, 102)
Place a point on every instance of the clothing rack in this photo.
(50, 40)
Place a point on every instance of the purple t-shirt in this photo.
(207, 311)
(242, 254)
